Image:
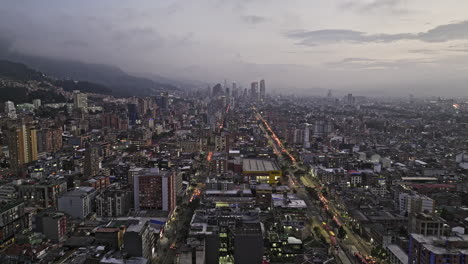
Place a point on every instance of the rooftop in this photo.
(259, 165)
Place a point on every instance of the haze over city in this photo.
(368, 47)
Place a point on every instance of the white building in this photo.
(10, 109)
(415, 203)
(37, 103)
(80, 100)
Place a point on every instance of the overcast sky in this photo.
(418, 46)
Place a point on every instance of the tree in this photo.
(341, 232)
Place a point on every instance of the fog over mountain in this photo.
(388, 47)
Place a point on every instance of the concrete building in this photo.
(155, 190)
(78, 203)
(37, 103)
(49, 140)
(262, 90)
(12, 220)
(432, 249)
(396, 255)
(113, 202)
(10, 109)
(80, 100)
(52, 224)
(8, 193)
(415, 203)
(22, 145)
(92, 161)
(139, 240)
(42, 194)
(426, 224)
(247, 243)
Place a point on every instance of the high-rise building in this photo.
(80, 100)
(10, 109)
(22, 145)
(139, 240)
(217, 90)
(113, 202)
(415, 203)
(42, 194)
(254, 91)
(37, 103)
(132, 114)
(426, 224)
(155, 190)
(91, 161)
(163, 101)
(437, 249)
(13, 220)
(51, 223)
(262, 90)
(49, 140)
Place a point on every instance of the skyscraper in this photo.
(10, 109)
(80, 100)
(132, 114)
(91, 161)
(254, 91)
(154, 189)
(22, 145)
(262, 90)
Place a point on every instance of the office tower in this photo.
(163, 101)
(262, 90)
(234, 86)
(37, 103)
(132, 114)
(22, 145)
(10, 109)
(80, 100)
(306, 136)
(350, 99)
(217, 90)
(254, 91)
(154, 190)
(91, 161)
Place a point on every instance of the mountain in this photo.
(121, 83)
(21, 84)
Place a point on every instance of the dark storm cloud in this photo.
(253, 20)
(441, 33)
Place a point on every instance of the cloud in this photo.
(75, 43)
(424, 51)
(253, 20)
(376, 5)
(376, 64)
(443, 33)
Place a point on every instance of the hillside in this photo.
(21, 84)
(121, 83)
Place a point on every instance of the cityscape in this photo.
(102, 166)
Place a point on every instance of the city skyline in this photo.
(368, 46)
